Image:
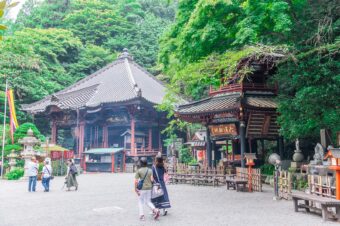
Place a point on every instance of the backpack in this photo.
(73, 170)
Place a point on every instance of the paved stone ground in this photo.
(108, 199)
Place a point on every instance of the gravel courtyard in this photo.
(108, 199)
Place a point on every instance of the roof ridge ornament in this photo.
(125, 55)
(54, 98)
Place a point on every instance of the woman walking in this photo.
(71, 180)
(158, 172)
(143, 185)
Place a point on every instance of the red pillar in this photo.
(133, 148)
(54, 132)
(105, 137)
(112, 163)
(81, 138)
(150, 139)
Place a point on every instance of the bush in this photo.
(185, 155)
(15, 174)
(193, 162)
(267, 169)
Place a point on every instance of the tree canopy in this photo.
(190, 44)
(209, 38)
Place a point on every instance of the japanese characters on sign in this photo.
(224, 129)
(55, 155)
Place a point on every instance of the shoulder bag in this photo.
(157, 190)
(141, 182)
(51, 176)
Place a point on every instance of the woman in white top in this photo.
(46, 176)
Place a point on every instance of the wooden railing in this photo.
(285, 184)
(256, 182)
(322, 185)
(143, 151)
(243, 87)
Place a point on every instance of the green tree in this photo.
(22, 132)
(310, 93)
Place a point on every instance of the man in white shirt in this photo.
(46, 175)
(32, 171)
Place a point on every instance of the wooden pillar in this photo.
(250, 145)
(133, 148)
(214, 153)
(81, 138)
(54, 132)
(281, 146)
(160, 147)
(105, 138)
(124, 161)
(208, 147)
(243, 141)
(150, 140)
(84, 164)
(112, 163)
(233, 149)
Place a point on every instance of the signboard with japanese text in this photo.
(222, 130)
(55, 155)
(200, 155)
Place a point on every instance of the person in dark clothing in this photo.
(158, 171)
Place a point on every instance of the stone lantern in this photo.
(29, 142)
(12, 160)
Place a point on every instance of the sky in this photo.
(12, 14)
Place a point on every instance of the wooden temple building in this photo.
(112, 108)
(242, 110)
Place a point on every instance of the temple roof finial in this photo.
(125, 54)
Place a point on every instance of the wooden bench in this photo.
(308, 201)
(236, 183)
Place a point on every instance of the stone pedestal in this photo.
(12, 160)
(29, 142)
(296, 164)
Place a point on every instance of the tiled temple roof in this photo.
(226, 102)
(120, 81)
(214, 104)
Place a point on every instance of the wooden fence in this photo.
(184, 168)
(318, 185)
(255, 175)
(322, 185)
(285, 184)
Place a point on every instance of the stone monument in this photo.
(298, 156)
(12, 160)
(29, 142)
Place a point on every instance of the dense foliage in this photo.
(111, 24)
(15, 174)
(209, 38)
(310, 92)
(57, 42)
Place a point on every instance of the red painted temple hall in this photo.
(241, 111)
(109, 112)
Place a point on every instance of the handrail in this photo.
(243, 87)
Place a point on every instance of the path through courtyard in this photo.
(108, 199)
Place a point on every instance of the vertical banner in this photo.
(12, 114)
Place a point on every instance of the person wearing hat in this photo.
(46, 176)
(32, 172)
(143, 186)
